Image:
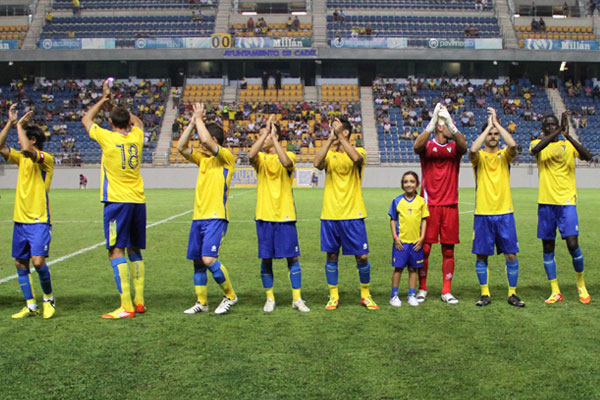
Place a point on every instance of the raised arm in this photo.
(421, 141)
(12, 120)
(545, 141)
(88, 118)
(281, 153)
(264, 133)
(182, 144)
(506, 136)
(136, 121)
(319, 161)
(26, 146)
(354, 155)
(205, 137)
(478, 143)
(584, 154)
(461, 142)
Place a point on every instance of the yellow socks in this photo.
(269, 293)
(226, 285)
(364, 290)
(485, 290)
(126, 302)
(580, 280)
(201, 295)
(138, 271)
(333, 292)
(554, 285)
(512, 291)
(296, 294)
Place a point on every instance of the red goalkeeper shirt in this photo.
(440, 165)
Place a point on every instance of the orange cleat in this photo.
(119, 313)
(140, 308)
(584, 296)
(554, 298)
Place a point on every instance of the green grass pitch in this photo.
(428, 352)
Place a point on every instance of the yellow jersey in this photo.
(274, 199)
(408, 215)
(120, 177)
(556, 169)
(33, 184)
(342, 197)
(492, 183)
(212, 185)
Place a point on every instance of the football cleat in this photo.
(48, 308)
(514, 300)
(269, 305)
(448, 298)
(421, 295)
(119, 313)
(26, 312)
(196, 308)
(140, 308)
(300, 305)
(395, 301)
(369, 303)
(225, 305)
(554, 298)
(332, 304)
(484, 301)
(584, 296)
(412, 301)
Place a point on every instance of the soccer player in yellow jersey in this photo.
(494, 222)
(32, 229)
(557, 197)
(215, 170)
(276, 212)
(343, 214)
(122, 192)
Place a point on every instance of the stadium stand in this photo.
(457, 5)
(404, 107)
(133, 4)
(270, 30)
(561, 29)
(59, 106)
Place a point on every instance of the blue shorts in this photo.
(498, 230)
(277, 239)
(31, 240)
(551, 216)
(125, 225)
(206, 236)
(407, 257)
(350, 234)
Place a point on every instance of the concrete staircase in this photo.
(229, 95)
(222, 18)
(319, 23)
(311, 94)
(506, 25)
(558, 107)
(35, 29)
(163, 144)
(369, 125)
(596, 24)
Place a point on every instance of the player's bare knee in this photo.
(548, 246)
(572, 243)
(290, 261)
(133, 250)
(484, 257)
(332, 256)
(22, 263)
(362, 259)
(510, 257)
(208, 260)
(116, 252)
(38, 261)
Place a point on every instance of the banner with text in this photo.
(173, 43)
(9, 44)
(273, 53)
(548, 44)
(78, 44)
(246, 177)
(370, 43)
(267, 42)
(465, 43)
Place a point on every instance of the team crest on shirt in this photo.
(449, 149)
(499, 155)
(435, 149)
(410, 210)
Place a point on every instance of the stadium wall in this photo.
(185, 177)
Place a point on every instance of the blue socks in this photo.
(295, 275)
(550, 265)
(512, 272)
(364, 272)
(481, 267)
(45, 281)
(200, 277)
(577, 260)
(412, 292)
(25, 283)
(331, 270)
(217, 272)
(394, 291)
(115, 266)
(266, 274)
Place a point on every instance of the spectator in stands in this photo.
(478, 5)
(296, 24)
(596, 92)
(265, 81)
(368, 31)
(565, 9)
(289, 23)
(542, 25)
(342, 15)
(535, 25)
(49, 17)
(250, 24)
(278, 80)
(243, 83)
(76, 8)
(336, 15)
(175, 130)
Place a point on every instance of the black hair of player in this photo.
(120, 117)
(35, 132)
(414, 174)
(216, 131)
(547, 118)
(346, 126)
(278, 132)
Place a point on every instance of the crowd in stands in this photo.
(260, 28)
(538, 26)
(303, 124)
(60, 104)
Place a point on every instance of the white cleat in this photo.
(421, 295)
(300, 305)
(225, 305)
(395, 301)
(196, 308)
(448, 298)
(269, 305)
(412, 301)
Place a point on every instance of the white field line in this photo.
(92, 247)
